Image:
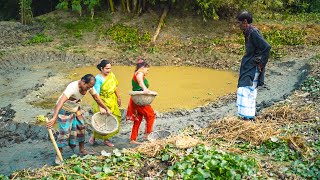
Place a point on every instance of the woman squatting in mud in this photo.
(136, 113)
(67, 113)
(107, 87)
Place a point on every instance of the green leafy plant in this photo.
(117, 163)
(3, 177)
(79, 50)
(307, 169)
(312, 85)
(204, 162)
(278, 150)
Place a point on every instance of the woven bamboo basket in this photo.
(104, 124)
(161, 134)
(141, 99)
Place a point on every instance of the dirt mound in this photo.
(14, 33)
(11, 132)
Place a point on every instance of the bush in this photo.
(128, 36)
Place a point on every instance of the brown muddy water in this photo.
(178, 87)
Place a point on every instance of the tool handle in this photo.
(55, 145)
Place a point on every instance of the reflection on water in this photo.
(178, 87)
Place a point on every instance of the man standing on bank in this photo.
(252, 68)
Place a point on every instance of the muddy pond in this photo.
(178, 87)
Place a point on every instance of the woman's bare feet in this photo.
(135, 142)
(108, 143)
(85, 152)
(145, 137)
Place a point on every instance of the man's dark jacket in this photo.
(257, 52)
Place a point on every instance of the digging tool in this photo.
(55, 144)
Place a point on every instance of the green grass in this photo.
(40, 38)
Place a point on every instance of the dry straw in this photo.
(268, 124)
(232, 129)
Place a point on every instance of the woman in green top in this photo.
(136, 113)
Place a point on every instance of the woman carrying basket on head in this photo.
(107, 87)
(136, 113)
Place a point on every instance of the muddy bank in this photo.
(25, 74)
(281, 78)
(13, 34)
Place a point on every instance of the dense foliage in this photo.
(207, 8)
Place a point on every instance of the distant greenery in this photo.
(83, 23)
(128, 36)
(40, 38)
(286, 37)
(215, 9)
(208, 9)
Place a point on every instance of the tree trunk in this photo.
(123, 5)
(128, 6)
(69, 6)
(111, 5)
(22, 11)
(135, 6)
(163, 16)
(144, 5)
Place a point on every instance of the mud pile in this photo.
(11, 132)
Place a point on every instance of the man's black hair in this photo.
(245, 15)
(88, 78)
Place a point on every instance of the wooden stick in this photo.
(55, 145)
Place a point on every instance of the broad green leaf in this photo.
(170, 173)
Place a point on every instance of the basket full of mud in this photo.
(104, 124)
(161, 134)
(142, 99)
